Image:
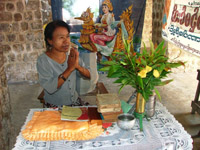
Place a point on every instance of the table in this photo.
(162, 132)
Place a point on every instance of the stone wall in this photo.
(5, 110)
(21, 41)
(147, 27)
(46, 11)
(21, 36)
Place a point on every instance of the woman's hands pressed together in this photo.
(73, 60)
(73, 63)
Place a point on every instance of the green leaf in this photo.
(158, 94)
(118, 80)
(161, 68)
(108, 63)
(164, 82)
(144, 94)
(163, 51)
(115, 75)
(125, 81)
(123, 63)
(143, 61)
(140, 82)
(156, 81)
(151, 47)
(144, 50)
(119, 53)
(160, 58)
(113, 69)
(125, 42)
(160, 50)
(128, 48)
(122, 86)
(107, 68)
(174, 65)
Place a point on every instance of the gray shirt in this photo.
(48, 71)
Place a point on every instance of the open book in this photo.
(74, 113)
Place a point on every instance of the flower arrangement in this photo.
(143, 71)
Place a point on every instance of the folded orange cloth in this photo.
(47, 125)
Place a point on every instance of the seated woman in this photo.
(107, 34)
(59, 67)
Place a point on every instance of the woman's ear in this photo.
(50, 41)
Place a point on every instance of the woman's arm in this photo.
(85, 72)
(46, 78)
(63, 77)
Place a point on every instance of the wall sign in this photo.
(181, 24)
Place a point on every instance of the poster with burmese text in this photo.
(181, 24)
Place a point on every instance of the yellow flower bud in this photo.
(156, 73)
(44, 26)
(148, 68)
(143, 73)
(167, 69)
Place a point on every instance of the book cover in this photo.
(94, 116)
(74, 113)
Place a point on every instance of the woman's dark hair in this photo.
(50, 28)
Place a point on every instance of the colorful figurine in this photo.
(106, 33)
(102, 37)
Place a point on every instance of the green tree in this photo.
(67, 4)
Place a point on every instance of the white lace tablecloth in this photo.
(162, 132)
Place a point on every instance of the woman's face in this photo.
(60, 40)
(105, 9)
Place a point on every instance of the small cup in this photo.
(125, 121)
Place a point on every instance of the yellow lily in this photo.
(156, 73)
(148, 68)
(143, 73)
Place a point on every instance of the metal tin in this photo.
(150, 106)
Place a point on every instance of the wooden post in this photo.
(56, 6)
(196, 103)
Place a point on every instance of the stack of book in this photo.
(109, 106)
